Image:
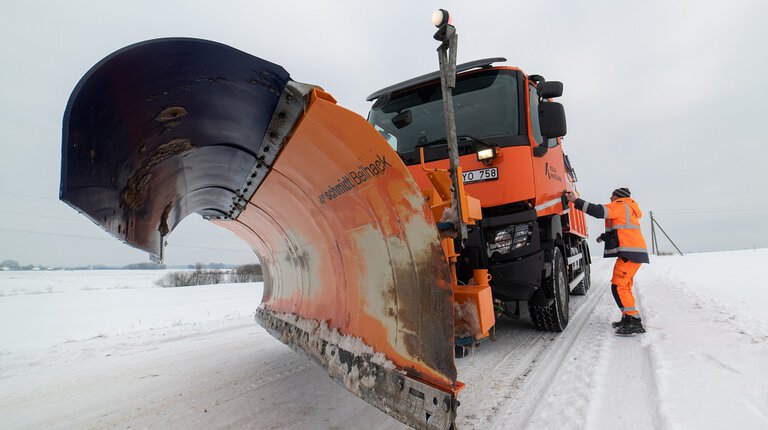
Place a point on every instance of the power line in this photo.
(208, 248)
(40, 216)
(44, 233)
(182, 233)
(716, 209)
(31, 196)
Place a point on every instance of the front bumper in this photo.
(518, 279)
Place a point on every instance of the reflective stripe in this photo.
(627, 219)
(548, 204)
(624, 248)
(586, 206)
(632, 309)
(625, 226)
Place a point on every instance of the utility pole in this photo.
(653, 235)
(654, 246)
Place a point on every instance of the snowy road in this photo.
(235, 377)
(701, 364)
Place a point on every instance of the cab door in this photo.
(549, 168)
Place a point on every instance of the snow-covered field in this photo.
(108, 349)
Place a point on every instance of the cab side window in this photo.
(535, 128)
(534, 108)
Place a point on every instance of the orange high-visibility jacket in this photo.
(622, 236)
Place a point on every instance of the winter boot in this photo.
(632, 326)
(624, 319)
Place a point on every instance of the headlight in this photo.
(510, 238)
(486, 155)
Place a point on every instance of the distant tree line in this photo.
(14, 265)
(204, 276)
(144, 266)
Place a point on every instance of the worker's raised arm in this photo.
(593, 209)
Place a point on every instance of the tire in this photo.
(585, 283)
(555, 316)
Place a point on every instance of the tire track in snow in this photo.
(506, 386)
(566, 401)
(628, 386)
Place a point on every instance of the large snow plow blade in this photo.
(356, 278)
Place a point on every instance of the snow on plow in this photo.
(356, 277)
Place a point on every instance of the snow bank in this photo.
(707, 338)
(702, 364)
(42, 309)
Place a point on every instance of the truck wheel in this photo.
(555, 316)
(585, 283)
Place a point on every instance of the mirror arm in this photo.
(541, 149)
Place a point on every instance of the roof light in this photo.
(441, 17)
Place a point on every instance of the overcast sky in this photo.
(666, 98)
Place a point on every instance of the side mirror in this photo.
(550, 89)
(552, 120)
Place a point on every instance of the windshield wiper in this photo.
(437, 142)
(465, 137)
(461, 140)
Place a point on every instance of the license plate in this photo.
(481, 175)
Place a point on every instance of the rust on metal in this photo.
(134, 194)
(172, 113)
(163, 228)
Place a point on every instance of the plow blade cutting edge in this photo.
(355, 277)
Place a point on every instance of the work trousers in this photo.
(621, 285)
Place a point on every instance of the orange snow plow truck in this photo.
(388, 245)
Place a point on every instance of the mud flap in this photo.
(170, 127)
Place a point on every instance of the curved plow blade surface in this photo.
(356, 279)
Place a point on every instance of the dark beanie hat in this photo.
(621, 192)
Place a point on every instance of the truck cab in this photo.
(509, 135)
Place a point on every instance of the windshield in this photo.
(485, 105)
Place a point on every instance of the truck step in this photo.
(576, 281)
(574, 258)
